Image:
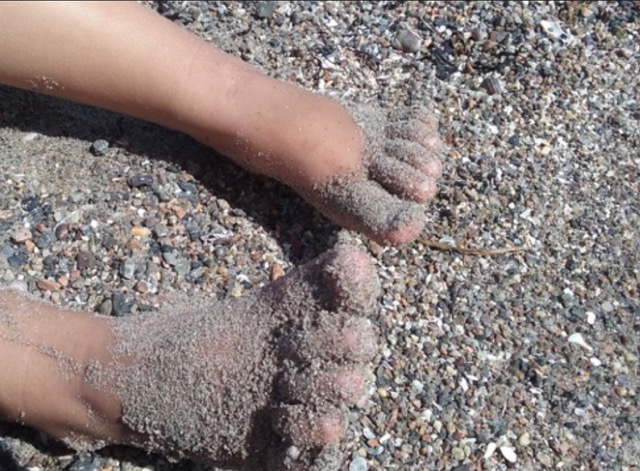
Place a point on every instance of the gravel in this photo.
(484, 362)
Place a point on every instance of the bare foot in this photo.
(260, 382)
(363, 167)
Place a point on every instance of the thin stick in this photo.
(434, 244)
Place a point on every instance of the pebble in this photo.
(358, 463)
(128, 268)
(85, 260)
(264, 9)
(61, 230)
(509, 454)
(492, 85)
(106, 307)
(524, 440)
(408, 41)
(20, 234)
(139, 180)
(44, 284)
(578, 339)
(99, 147)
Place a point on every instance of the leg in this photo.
(366, 169)
(260, 382)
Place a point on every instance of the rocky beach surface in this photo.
(510, 330)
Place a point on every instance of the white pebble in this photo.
(417, 386)
(591, 317)
(578, 339)
(358, 464)
(509, 454)
(595, 362)
(491, 448)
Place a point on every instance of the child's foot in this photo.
(260, 382)
(365, 168)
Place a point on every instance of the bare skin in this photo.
(266, 385)
(365, 169)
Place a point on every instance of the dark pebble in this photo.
(18, 260)
(492, 86)
(7, 251)
(62, 230)
(514, 140)
(99, 147)
(188, 187)
(120, 305)
(30, 203)
(265, 9)
(45, 240)
(139, 180)
(85, 260)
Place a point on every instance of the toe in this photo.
(305, 427)
(402, 179)
(337, 338)
(416, 155)
(352, 279)
(365, 206)
(321, 384)
(342, 279)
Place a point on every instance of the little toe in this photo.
(402, 179)
(365, 206)
(305, 427)
(321, 384)
(337, 338)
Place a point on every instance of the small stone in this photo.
(141, 287)
(524, 439)
(45, 240)
(578, 339)
(62, 230)
(458, 453)
(121, 306)
(29, 246)
(20, 234)
(17, 260)
(47, 285)
(607, 306)
(99, 147)
(265, 9)
(417, 386)
(408, 41)
(358, 463)
(128, 268)
(621, 391)
(85, 260)
(139, 180)
(491, 448)
(106, 307)
(30, 203)
(509, 454)
(492, 85)
(140, 231)
(595, 361)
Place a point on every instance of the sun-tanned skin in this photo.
(145, 66)
(365, 168)
(238, 383)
